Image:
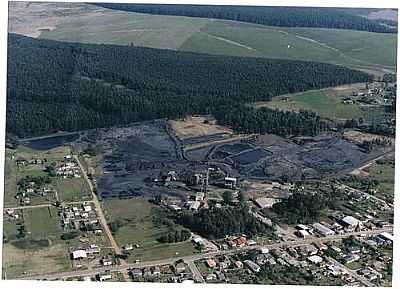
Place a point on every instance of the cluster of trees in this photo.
(377, 142)
(175, 236)
(271, 16)
(381, 128)
(70, 86)
(21, 232)
(115, 225)
(359, 182)
(301, 207)
(164, 219)
(227, 196)
(219, 222)
(38, 180)
(281, 274)
(384, 129)
(70, 235)
(51, 169)
(389, 78)
(247, 119)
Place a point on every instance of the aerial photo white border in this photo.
(89, 285)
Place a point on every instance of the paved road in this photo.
(101, 217)
(192, 258)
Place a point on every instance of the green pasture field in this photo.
(72, 189)
(68, 190)
(138, 228)
(125, 28)
(358, 46)
(42, 223)
(22, 263)
(384, 173)
(10, 180)
(323, 102)
(375, 52)
(20, 260)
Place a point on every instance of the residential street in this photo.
(188, 259)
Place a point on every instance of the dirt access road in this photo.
(101, 217)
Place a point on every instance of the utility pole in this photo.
(205, 182)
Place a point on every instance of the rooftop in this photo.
(351, 221)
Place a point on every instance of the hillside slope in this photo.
(86, 23)
(272, 16)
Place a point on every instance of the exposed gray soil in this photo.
(275, 158)
(137, 155)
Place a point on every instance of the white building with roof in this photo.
(195, 206)
(253, 266)
(230, 182)
(303, 234)
(387, 236)
(351, 222)
(323, 230)
(79, 254)
(315, 259)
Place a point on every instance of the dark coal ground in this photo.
(136, 155)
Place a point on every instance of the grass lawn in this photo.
(325, 103)
(242, 39)
(138, 228)
(355, 265)
(10, 180)
(42, 223)
(356, 49)
(10, 230)
(124, 28)
(19, 263)
(72, 189)
(384, 173)
(366, 47)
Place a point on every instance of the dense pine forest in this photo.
(247, 119)
(271, 16)
(68, 86)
